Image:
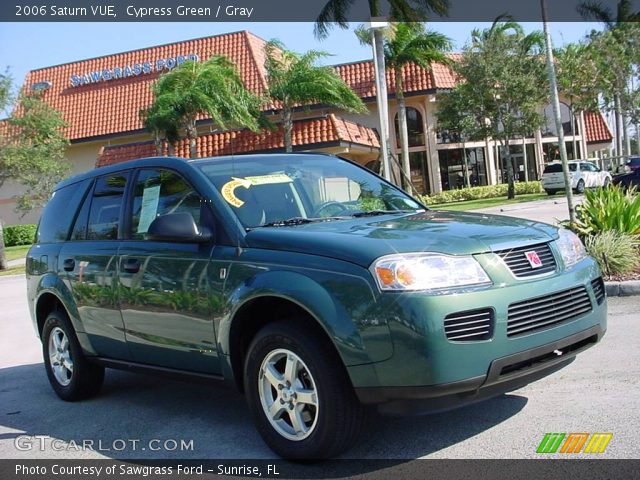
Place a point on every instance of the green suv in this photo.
(310, 284)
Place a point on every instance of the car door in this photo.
(88, 263)
(170, 292)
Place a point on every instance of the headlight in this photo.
(570, 248)
(427, 271)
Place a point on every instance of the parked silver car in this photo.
(583, 175)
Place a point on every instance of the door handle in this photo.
(69, 264)
(131, 265)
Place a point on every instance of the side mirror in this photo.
(178, 227)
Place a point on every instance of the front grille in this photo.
(544, 312)
(469, 326)
(598, 289)
(516, 260)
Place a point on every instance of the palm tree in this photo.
(162, 121)
(407, 43)
(335, 12)
(296, 80)
(617, 24)
(194, 90)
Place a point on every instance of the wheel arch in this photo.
(254, 314)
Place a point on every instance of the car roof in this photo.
(173, 161)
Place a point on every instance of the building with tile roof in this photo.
(101, 99)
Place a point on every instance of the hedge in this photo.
(19, 235)
(477, 193)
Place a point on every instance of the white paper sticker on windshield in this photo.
(149, 208)
(273, 178)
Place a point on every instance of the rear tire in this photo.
(300, 396)
(607, 183)
(580, 186)
(550, 192)
(70, 374)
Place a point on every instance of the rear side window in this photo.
(60, 211)
(106, 204)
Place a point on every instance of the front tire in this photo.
(580, 186)
(70, 374)
(550, 192)
(302, 401)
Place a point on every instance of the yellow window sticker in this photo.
(228, 189)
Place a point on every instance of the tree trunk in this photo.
(3, 259)
(192, 135)
(618, 114)
(383, 101)
(465, 165)
(157, 140)
(625, 134)
(506, 156)
(404, 133)
(573, 132)
(287, 125)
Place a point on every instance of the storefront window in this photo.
(552, 151)
(448, 136)
(419, 172)
(415, 128)
(454, 169)
(549, 129)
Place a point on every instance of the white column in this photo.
(431, 140)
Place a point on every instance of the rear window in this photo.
(557, 168)
(59, 212)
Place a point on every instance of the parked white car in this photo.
(583, 175)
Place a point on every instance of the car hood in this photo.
(362, 240)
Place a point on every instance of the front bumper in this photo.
(505, 374)
(430, 372)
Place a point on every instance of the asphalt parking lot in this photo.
(599, 392)
(552, 210)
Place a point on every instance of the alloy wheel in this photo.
(288, 394)
(60, 356)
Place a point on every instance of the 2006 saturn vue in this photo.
(309, 283)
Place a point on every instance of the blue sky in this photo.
(27, 46)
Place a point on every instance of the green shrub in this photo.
(615, 252)
(478, 193)
(605, 209)
(19, 235)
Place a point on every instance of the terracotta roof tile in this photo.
(305, 133)
(360, 77)
(596, 128)
(113, 106)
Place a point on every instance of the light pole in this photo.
(377, 25)
(555, 101)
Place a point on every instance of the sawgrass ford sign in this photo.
(124, 71)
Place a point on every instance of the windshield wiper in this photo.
(374, 213)
(294, 221)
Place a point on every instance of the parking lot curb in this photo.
(622, 289)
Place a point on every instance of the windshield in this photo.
(289, 190)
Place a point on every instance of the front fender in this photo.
(343, 305)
